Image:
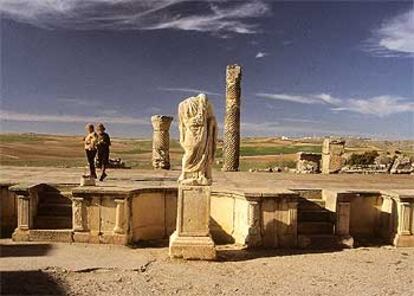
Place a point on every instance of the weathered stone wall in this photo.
(153, 215)
(269, 222)
(231, 140)
(308, 163)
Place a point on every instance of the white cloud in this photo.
(29, 117)
(311, 99)
(78, 102)
(261, 54)
(378, 106)
(189, 90)
(214, 16)
(394, 38)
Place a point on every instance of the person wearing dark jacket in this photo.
(103, 143)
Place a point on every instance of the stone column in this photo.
(253, 237)
(77, 214)
(23, 212)
(332, 152)
(343, 216)
(192, 239)
(404, 219)
(161, 141)
(231, 140)
(119, 218)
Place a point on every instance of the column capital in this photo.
(161, 122)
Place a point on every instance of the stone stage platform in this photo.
(271, 210)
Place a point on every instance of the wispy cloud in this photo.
(29, 117)
(394, 38)
(310, 99)
(261, 54)
(214, 16)
(378, 106)
(189, 90)
(78, 102)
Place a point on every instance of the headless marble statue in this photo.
(198, 131)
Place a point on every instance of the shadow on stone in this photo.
(156, 243)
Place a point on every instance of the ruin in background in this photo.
(198, 131)
(308, 163)
(332, 155)
(161, 141)
(248, 211)
(231, 140)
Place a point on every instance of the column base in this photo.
(20, 235)
(403, 240)
(192, 247)
(346, 241)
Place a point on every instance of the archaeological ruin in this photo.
(231, 138)
(161, 141)
(332, 151)
(198, 133)
(197, 213)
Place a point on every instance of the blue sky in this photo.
(309, 68)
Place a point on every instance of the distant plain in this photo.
(39, 150)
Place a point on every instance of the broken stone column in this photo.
(231, 140)
(198, 129)
(332, 155)
(161, 141)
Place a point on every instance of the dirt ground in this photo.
(76, 269)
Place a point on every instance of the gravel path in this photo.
(64, 269)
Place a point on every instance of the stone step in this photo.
(311, 204)
(42, 235)
(53, 222)
(55, 209)
(323, 242)
(314, 216)
(55, 197)
(315, 228)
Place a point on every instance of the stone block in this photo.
(148, 216)
(222, 217)
(192, 247)
(192, 238)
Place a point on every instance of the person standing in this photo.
(90, 142)
(103, 143)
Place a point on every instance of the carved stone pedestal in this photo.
(192, 239)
